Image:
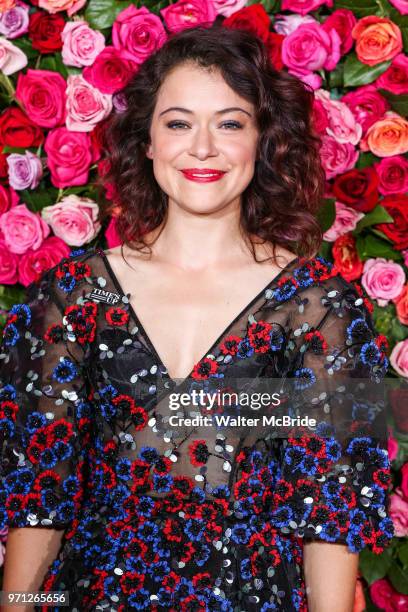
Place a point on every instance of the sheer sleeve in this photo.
(42, 412)
(334, 481)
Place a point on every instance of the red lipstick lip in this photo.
(192, 174)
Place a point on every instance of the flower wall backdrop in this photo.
(62, 65)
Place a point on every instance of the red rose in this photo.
(252, 18)
(397, 207)
(16, 129)
(274, 46)
(3, 166)
(346, 258)
(357, 188)
(45, 30)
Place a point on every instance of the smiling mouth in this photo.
(202, 177)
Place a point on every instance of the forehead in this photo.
(198, 89)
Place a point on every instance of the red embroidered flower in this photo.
(199, 453)
(54, 333)
(316, 341)
(139, 417)
(117, 316)
(204, 368)
(230, 345)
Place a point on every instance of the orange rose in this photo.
(378, 39)
(5, 5)
(401, 303)
(386, 137)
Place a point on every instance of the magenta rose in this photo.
(395, 78)
(8, 198)
(343, 21)
(404, 480)
(22, 229)
(42, 93)
(86, 105)
(137, 33)
(110, 71)
(187, 14)
(398, 357)
(310, 48)
(74, 219)
(345, 221)
(111, 234)
(367, 105)
(304, 6)
(337, 157)
(34, 262)
(14, 22)
(393, 174)
(81, 44)
(69, 157)
(8, 265)
(386, 598)
(383, 279)
(401, 6)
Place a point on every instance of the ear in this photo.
(149, 152)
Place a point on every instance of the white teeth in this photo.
(204, 175)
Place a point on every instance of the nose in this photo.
(203, 143)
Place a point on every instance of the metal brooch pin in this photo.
(108, 297)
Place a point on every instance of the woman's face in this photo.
(202, 138)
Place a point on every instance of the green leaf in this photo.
(326, 250)
(327, 214)
(336, 76)
(398, 578)
(370, 246)
(25, 45)
(37, 200)
(403, 554)
(374, 567)
(360, 8)
(10, 295)
(101, 14)
(380, 234)
(356, 73)
(399, 103)
(377, 215)
(366, 159)
(399, 332)
(48, 62)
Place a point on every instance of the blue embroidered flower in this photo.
(370, 353)
(240, 533)
(281, 516)
(244, 349)
(67, 283)
(276, 339)
(11, 335)
(330, 532)
(305, 378)
(65, 371)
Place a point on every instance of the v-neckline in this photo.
(214, 345)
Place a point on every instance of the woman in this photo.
(216, 179)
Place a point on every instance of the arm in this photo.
(29, 553)
(330, 575)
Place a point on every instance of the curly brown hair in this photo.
(279, 205)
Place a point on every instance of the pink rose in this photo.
(8, 265)
(393, 174)
(111, 235)
(14, 22)
(404, 480)
(74, 219)
(337, 157)
(342, 124)
(81, 44)
(286, 24)
(304, 6)
(69, 157)
(86, 105)
(110, 71)
(401, 6)
(395, 78)
(228, 7)
(137, 33)
(366, 104)
(42, 93)
(399, 513)
(345, 221)
(187, 14)
(22, 229)
(12, 59)
(343, 21)
(383, 279)
(392, 446)
(310, 48)
(55, 6)
(398, 357)
(33, 263)
(386, 598)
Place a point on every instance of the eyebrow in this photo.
(220, 112)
